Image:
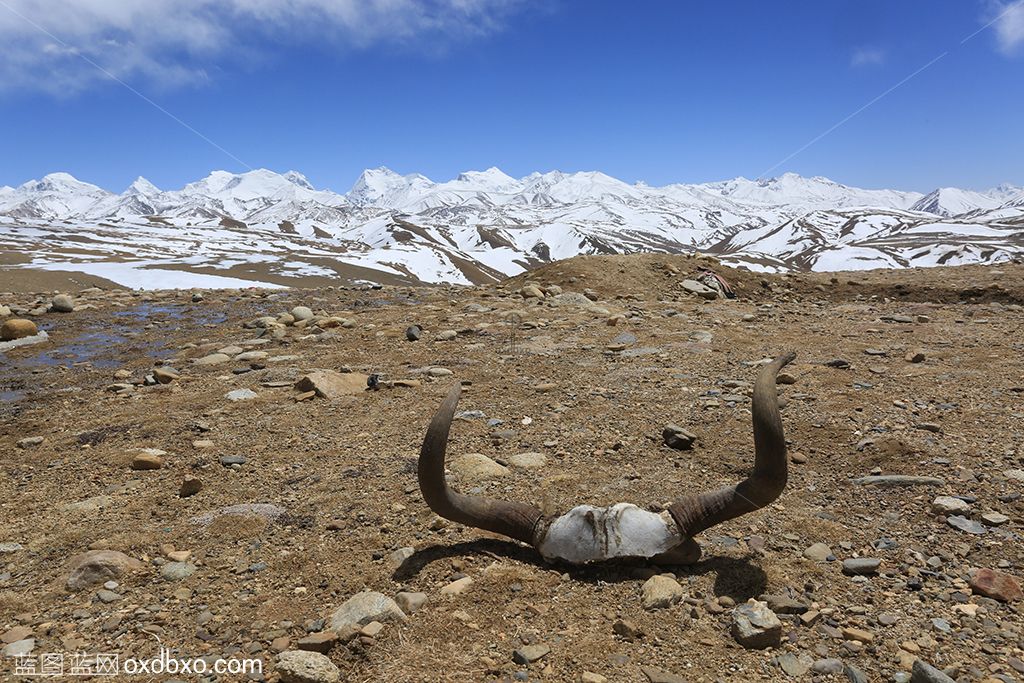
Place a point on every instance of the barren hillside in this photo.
(305, 501)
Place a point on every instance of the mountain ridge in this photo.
(483, 223)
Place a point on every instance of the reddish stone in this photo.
(997, 585)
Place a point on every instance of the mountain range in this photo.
(262, 226)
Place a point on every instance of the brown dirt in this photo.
(350, 463)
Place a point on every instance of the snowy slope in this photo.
(482, 225)
(951, 201)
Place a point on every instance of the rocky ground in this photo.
(178, 471)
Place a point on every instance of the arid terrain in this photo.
(304, 501)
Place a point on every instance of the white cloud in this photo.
(867, 56)
(1009, 26)
(176, 42)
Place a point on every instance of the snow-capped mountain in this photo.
(273, 227)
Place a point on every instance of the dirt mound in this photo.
(650, 276)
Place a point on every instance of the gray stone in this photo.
(212, 359)
(701, 337)
(783, 604)
(177, 571)
(413, 333)
(30, 441)
(966, 525)
(819, 552)
(410, 603)
(95, 567)
(795, 665)
(926, 673)
(302, 666)
(624, 339)
(267, 511)
(854, 675)
(241, 395)
(530, 653)
(950, 505)
(528, 461)
(302, 313)
(699, 289)
(398, 558)
(678, 438)
(362, 608)
(828, 666)
(62, 303)
(859, 566)
(756, 627)
(994, 519)
(19, 648)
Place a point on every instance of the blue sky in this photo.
(654, 91)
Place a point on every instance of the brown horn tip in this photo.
(694, 514)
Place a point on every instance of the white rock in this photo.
(948, 505)
(302, 666)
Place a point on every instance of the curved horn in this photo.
(515, 520)
(694, 514)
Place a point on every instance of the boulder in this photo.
(302, 313)
(17, 328)
(996, 585)
(362, 608)
(62, 303)
(330, 385)
(661, 591)
(302, 666)
(700, 289)
(756, 627)
(678, 438)
(95, 567)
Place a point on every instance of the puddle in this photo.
(107, 349)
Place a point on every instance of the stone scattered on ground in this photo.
(265, 515)
(950, 505)
(17, 328)
(362, 608)
(756, 627)
(301, 666)
(477, 466)
(95, 567)
(62, 303)
(661, 591)
(996, 584)
(331, 385)
(861, 566)
(678, 438)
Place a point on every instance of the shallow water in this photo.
(106, 348)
